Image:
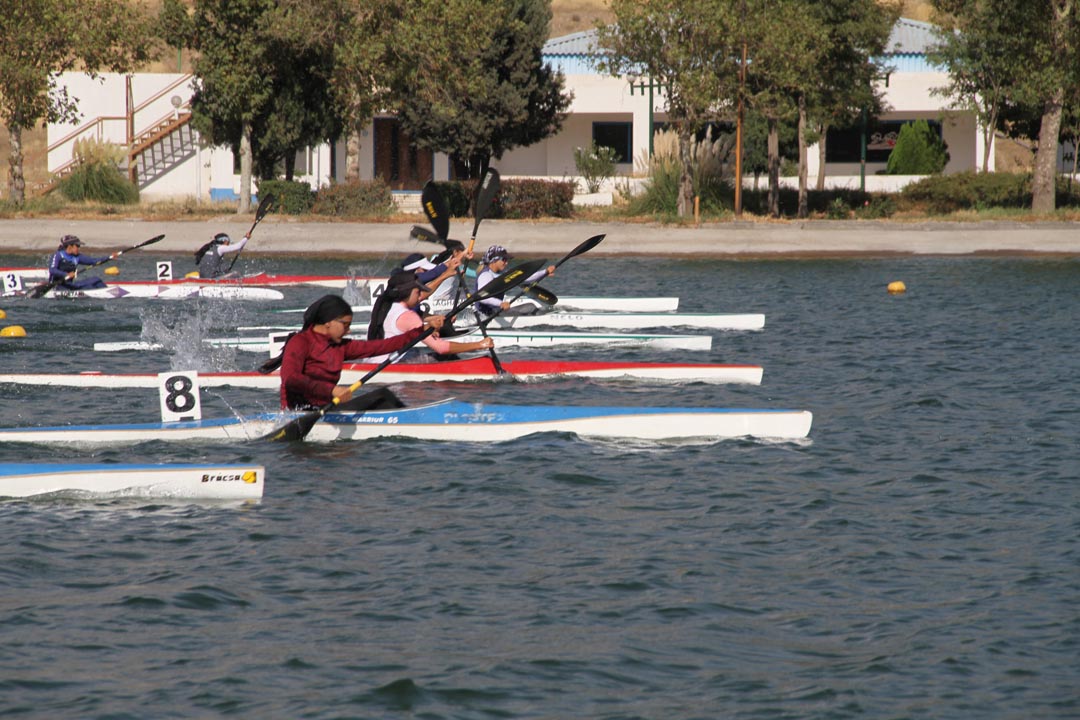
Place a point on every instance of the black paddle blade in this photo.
(485, 196)
(435, 209)
(295, 429)
(425, 235)
(541, 295)
(265, 206)
(582, 248)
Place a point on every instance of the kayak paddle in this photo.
(485, 196)
(265, 206)
(43, 288)
(298, 428)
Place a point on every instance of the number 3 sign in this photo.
(179, 396)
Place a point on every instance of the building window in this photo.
(616, 135)
(843, 146)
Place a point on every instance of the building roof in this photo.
(906, 49)
(911, 37)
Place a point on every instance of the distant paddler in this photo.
(65, 263)
(210, 258)
(494, 263)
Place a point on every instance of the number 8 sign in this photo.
(179, 391)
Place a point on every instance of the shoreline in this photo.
(278, 235)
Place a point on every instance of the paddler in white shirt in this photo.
(495, 261)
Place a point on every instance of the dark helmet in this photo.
(222, 239)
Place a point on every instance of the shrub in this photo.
(97, 175)
(520, 199)
(969, 190)
(293, 197)
(918, 151)
(353, 198)
(458, 196)
(595, 165)
(877, 207)
(838, 210)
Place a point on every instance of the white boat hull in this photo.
(631, 321)
(218, 482)
(170, 292)
(590, 304)
(455, 421)
(467, 370)
(503, 339)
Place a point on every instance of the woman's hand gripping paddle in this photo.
(298, 428)
(579, 250)
(265, 206)
(40, 290)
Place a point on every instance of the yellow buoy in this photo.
(897, 286)
(2, 314)
(13, 331)
(112, 270)
(192, 274)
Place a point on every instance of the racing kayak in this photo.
(466, 370)
(613, 321)
(454, 421)
(219, 482)
(503, 339)
(165, 292)
(601, 304)
(257, 279)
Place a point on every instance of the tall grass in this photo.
(707, 162)
(97, 176)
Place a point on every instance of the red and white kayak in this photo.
(476, 369)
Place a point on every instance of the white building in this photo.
(149, 113)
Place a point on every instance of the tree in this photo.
(474, 93)
(1038, 43)
(976, 45)
(40, 39)
(691, 48)
(233, 89)
(355, 38)
(845, 81)
(784, 41)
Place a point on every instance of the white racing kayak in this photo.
(590, 304)
(217, 482)
(454, 421)
(169, 292)
(503, 339)
(611, 321)
(465, 370)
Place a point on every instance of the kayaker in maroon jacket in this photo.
(312, 359)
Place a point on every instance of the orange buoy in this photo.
(16, 331)
(112, 270)
(896, 287)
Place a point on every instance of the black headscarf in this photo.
(398, 287)
(323, 310)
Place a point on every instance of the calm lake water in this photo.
(917, 557)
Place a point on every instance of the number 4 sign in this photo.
(179, 392)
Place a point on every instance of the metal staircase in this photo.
(160, 148)
(151, 152)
